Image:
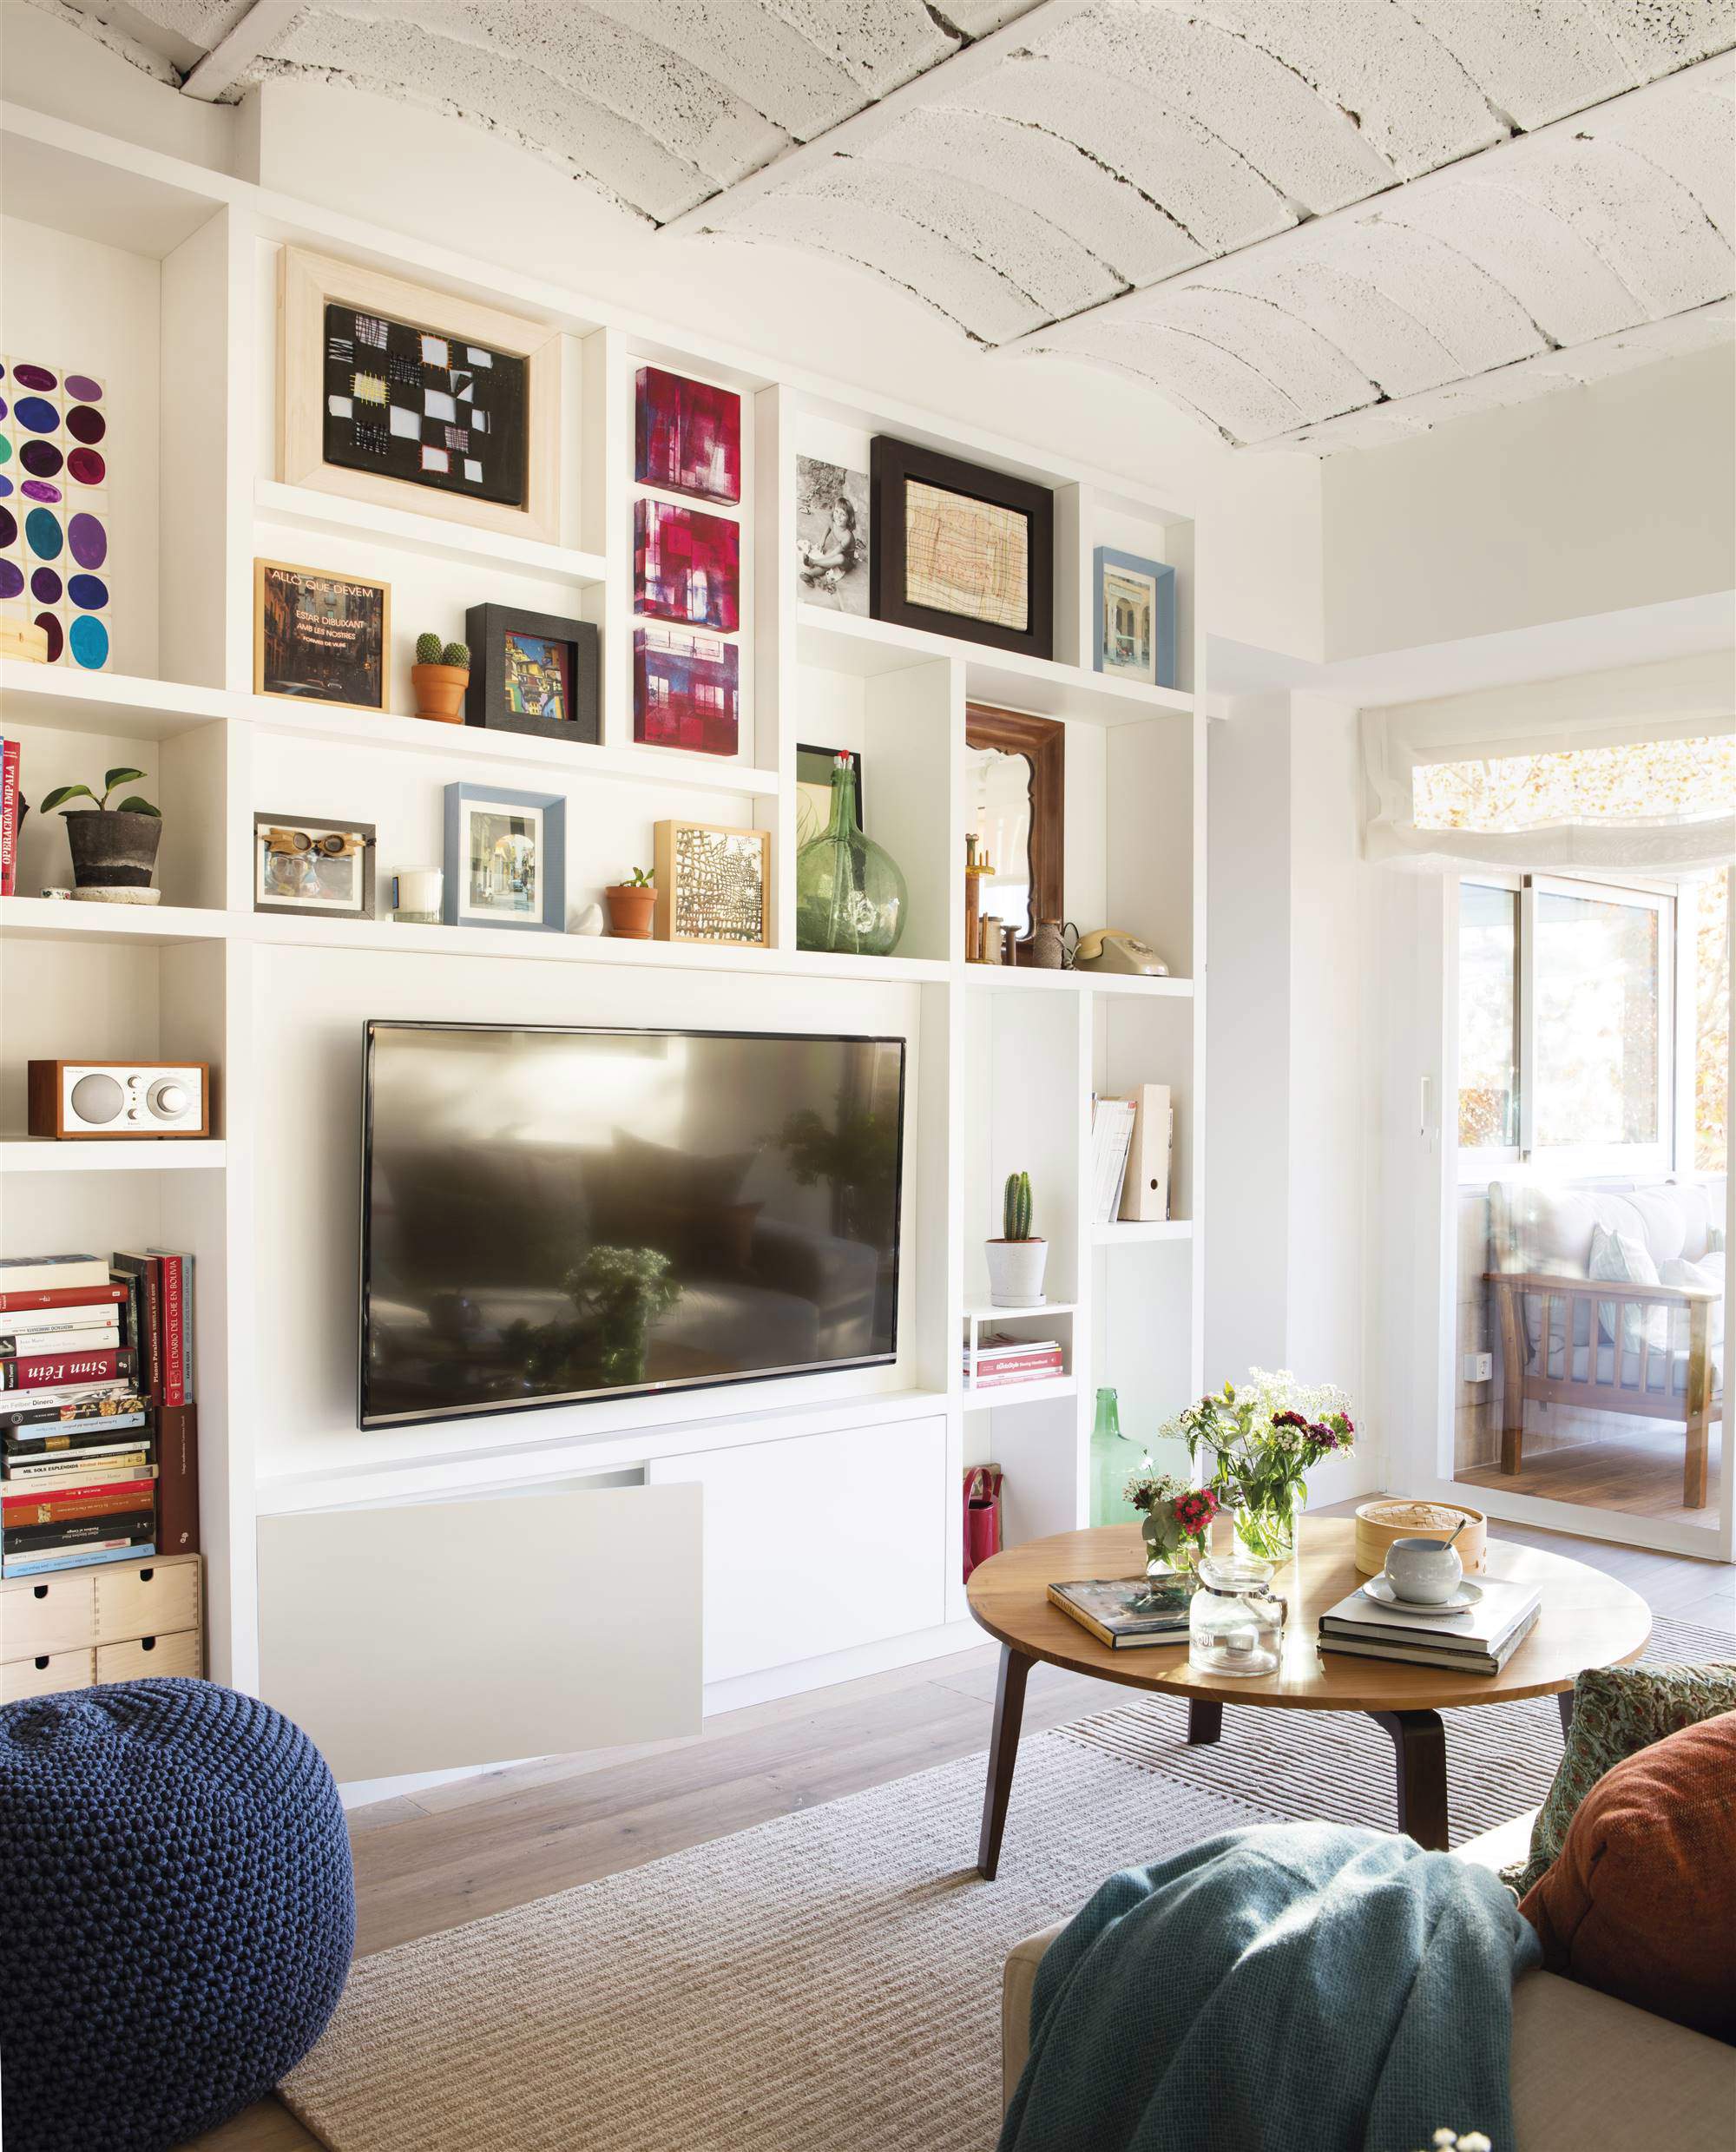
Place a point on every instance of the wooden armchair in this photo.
(1527, 1371)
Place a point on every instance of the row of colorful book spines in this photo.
(148, 1298)
(87, 1557)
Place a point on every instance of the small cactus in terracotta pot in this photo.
(440, 679)
(631, 906)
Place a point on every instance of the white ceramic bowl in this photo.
(1423, 1572)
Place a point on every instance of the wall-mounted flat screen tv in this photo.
(554, 1215)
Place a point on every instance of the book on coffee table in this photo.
(1103, 1604)
(1481, 1640)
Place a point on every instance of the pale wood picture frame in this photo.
(262, 568)
(307, 283)
(672, 921)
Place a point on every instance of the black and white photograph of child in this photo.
(832, 535)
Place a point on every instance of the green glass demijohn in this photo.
(1114, 1458)
(851, 896)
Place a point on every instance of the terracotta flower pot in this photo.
(630, 909)
(113, 850)
(439, 691)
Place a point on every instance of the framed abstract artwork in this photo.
(54, 570)
(961, 550)
(686, 690)
(687, 566)
(390, 392)
(713, 884)
(1135, 603)
(532, 672)
(686, 437)
(506, 860)
(320, 637)
(308, 863)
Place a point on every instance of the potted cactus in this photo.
(113, 849)
(438, 678)
(1017, 1259)
(631, 905)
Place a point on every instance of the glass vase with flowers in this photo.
(1265, 1435)
(1174, 1518)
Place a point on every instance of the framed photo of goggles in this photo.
(304, 865)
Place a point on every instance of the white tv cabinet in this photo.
(832, 1504)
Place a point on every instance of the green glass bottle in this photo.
(1114, 1458)
(851, 897)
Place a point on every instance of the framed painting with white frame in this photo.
(505, 859)
(1134, 601)
(713, 884)
(310, 864)
(404, 383)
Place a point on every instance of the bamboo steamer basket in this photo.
(1387, 1517)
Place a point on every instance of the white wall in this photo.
(1593, 500)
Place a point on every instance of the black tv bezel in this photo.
(446, 1414)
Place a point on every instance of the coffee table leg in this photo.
(1003, 1753)
(1205, 1721)
(1420, 1742)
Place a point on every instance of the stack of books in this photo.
(98, 1444)
(1481, 1640)
(1112, 1135)
(1114, 1608)
(1000, 1360)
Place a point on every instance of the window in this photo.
(1566, 1020)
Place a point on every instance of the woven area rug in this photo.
(830, 1981)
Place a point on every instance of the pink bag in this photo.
(981, 1515)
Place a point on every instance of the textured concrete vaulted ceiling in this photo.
(1314, 224)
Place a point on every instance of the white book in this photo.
(1112, 1132)
(94, 1315)
(1480, 1629)
(1421, 1652)
(85, 1338)
(51, 1273)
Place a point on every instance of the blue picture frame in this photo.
(457, 905)
(1162, 578)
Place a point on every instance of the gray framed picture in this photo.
(832, 520)
(532, 672)
(506, 860)
(1134, 602)
(310, 864)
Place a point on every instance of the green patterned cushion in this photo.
(1617, 1712)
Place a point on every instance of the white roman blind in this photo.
(1533, 779)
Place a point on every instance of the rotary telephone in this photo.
(1107, 949)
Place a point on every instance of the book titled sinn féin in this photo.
(1106, 1606)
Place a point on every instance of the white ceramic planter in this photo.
(1016, 1270)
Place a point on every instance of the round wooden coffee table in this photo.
(1588, 1620)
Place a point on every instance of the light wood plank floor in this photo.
(1638, 1475)
(457, 1853)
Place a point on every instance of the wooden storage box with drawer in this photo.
(117, 1621)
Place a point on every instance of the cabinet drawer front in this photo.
(39, 1614)
(146, 1655)
(46, 1674)
(156, 1599)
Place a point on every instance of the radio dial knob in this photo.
(167, 1099)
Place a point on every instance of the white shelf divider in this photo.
(151, 926)
(1043, 1393)
(1136, 1232)
(306, 508)
(121, 1153)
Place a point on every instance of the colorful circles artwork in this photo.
(54, 570)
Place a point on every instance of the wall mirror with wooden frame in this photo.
(1015, 793)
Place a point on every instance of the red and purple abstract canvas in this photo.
(684, 690)
(688, 437)
(687, 566)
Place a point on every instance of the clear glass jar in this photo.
(851, 896)
(1266, 1532)
(1235, 1626)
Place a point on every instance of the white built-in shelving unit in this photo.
(173, 305)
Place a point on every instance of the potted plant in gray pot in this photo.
(1017, 1259)
(113, 849)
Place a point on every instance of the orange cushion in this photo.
(1641, 1901)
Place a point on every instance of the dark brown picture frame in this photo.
(486, 629)
(1042, 741)
(892, 465)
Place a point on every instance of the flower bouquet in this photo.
(1264, 1438)
(1175, 1518)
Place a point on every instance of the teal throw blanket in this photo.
(1296, 1988)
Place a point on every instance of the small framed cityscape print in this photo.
(713, 884)
(318, 637)
(1134, 602)
(532, 672)
(687, 566)
(506, 860)
(685, 684)
(390, 392)
(686, 437)
(303, 862)
(961, 550)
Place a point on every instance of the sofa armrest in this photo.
(1589, 2069)
(1018, 1977)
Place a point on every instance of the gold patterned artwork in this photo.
(712, 884)
(966, 557)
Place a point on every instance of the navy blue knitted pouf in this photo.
(176, 1911)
